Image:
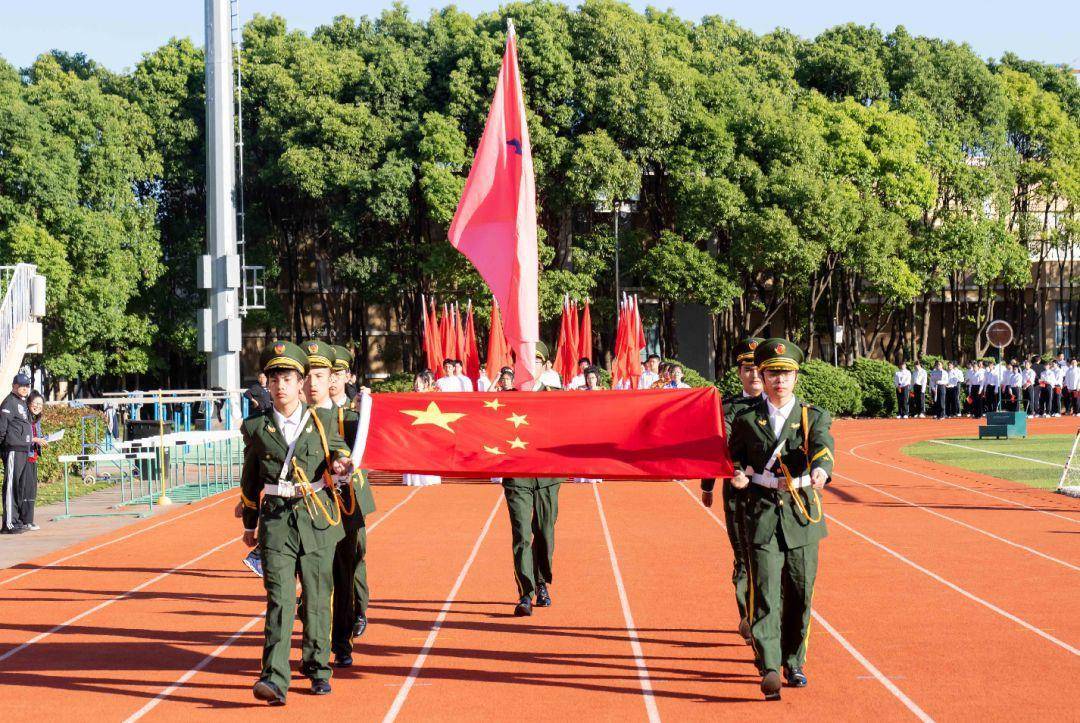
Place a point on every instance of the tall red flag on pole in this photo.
(446, 334)
(498, 355)
(459, 336)
(495, 222)
(435, 340)
(564, 357)
(472, 351)
(585, 335)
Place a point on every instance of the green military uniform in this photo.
(298, 528)
(731, 497)
(350, 567)
(533, 504)
(783, 515)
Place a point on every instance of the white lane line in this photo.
(128, 536)
(852, 452)
(953, 586)
(862, 659)
(183, 679)
(999, 454)
(955, 521)
(429, 643)
(118, 598)
(877, 674)
(631, 628)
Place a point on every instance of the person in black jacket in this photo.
(16, 437)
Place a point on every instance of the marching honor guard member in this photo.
(533, 504)
(290, 453)
(351, 592)
(783, 454)
(731, 497)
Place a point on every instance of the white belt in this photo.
(771, 481)
(288, 489)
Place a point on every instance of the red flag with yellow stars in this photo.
(654, 434)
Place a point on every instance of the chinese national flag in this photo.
(495, 222)
(654, 434)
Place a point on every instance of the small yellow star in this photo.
(433, 415)
(517, 420)
(493, 450)
(494, 404)
(516, 443)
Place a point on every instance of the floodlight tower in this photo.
(220, 269)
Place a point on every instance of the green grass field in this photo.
(1043, 456)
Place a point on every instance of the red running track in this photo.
(943, 594)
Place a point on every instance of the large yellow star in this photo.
(493, 450)
(433, 415)
(494, 404)
(516, 443)
(517, 420)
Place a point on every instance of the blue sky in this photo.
(117, 32)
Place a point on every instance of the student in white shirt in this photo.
(482, 382)
(1071, 386)
(548, 377)
(592, 383)
(1030, 388)
(953, 378)
(421, 383)
(902, 382)
(918, 388)
(1047, 379)
(676, 372)
(464, 382)
(651, 373)
(448, 382)
(938, 379)
(578, 380)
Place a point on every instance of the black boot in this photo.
(524, 607)
(770, 685)
(265, 690)
(543, 598)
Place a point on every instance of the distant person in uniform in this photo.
(919, 378)
(902, 382)
(16, 441)
(578, 381)
(651, 372)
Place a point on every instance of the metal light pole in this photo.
(615, 207)
(221, 332)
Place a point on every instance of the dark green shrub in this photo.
(729, 384)
(401, 382)
(875, 378)
(830, 388)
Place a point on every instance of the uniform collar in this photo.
(293, 418)
(784, 410)
(342, 401)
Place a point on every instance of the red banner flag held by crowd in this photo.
(656, 434)
(495, 222)
(498, 353)
(472, 350)
(585, 336)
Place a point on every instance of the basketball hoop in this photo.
(999, 333)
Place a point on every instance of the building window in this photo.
(1066, 316)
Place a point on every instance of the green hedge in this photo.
(50, 471)
(401, 382)
(875, 378)
(729, 384)
(690, 376)
(829, 387)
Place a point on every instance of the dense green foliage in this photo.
(875, 378)
(830, 388)
(772, 179)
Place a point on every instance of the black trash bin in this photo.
(148, 429)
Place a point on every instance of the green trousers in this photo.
(350, 585)
(782, 579)
(282, 562)
(733, 520)
(533, 511)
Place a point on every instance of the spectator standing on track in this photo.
(938, 379)
(1010, 392)
(918, 390)
(482, 382)
(974, 379)
(953, 378)
(1072, 385)
(16, 439)
(1029, 388)
(422, 383)
(578, 380)
(902, 382)
(28, 494)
